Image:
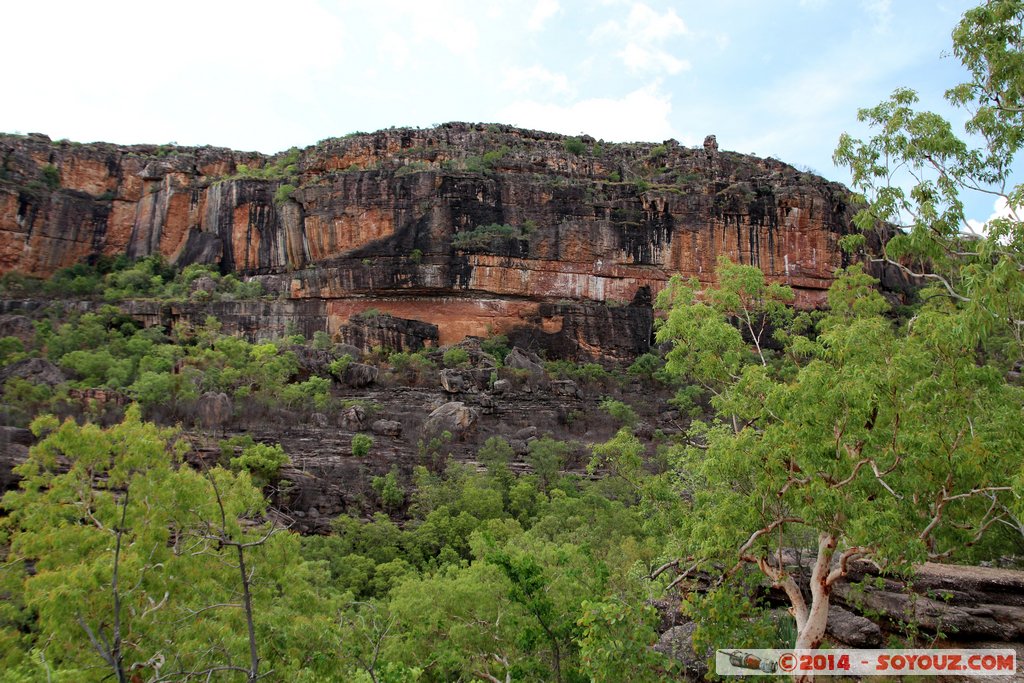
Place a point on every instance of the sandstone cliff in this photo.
(582, 233)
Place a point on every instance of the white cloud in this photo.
(638, 58)
(533, 78)
(643, 35)
(542, 11)
(640, 115)
(646, 25)
(1000, 209)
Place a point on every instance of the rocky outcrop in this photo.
(469, 229)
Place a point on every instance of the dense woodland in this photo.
(878, 428)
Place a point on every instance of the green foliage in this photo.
(616, 640)
(361, 445)
(623, 412)
(128, 548)
(547, 457)
(485, 237)
(918, 171)
(416, 255)
(322, 340)
(262, 461)
(18, 284)
(11, 350)
(149, 277)
(593, 373)
(314, 393)
(50, 176)
(338, 366)
(657, 152)
(706, 347)
(390, 492)
(574, 146)
(496, 346)
(455, 357)
(284, 193)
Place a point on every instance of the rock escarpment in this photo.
(474, 229)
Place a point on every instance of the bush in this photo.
(361, 445)
(284, 193)
(455, 357)
(575, 146)
(620, 411)
(392, 497)
(51, 176)
(416, 255)
(263, 462)
(482, 236)
(496, 346)
(646, 366)
(338, 366)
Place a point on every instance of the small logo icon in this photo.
(745, 660)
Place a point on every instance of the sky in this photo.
(780, 78)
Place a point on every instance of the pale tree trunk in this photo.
(811, 619)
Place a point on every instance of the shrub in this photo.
(361, 445)
(314, 392)
(284, 193)
(623, 412)
(51, 176)
(575, 146)
(338, 366)
(321, 340)
(496, 346)
(389, 490)
(263, 462)
(482, 236)
(455, 357)
(645, 366)
(416, 255)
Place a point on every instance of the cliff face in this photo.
(582, 233)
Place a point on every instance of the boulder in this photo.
(501, 386)
(359, 375)
(524, 360)
(214, 409)
(455, 417)
(320, 420)
(525, 434)
(387, 428)
(34, 370)
(853, 630)
(566, 387)
(353, 418)
(353, 352)
(453, 381)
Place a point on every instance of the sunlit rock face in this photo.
(587, 232)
